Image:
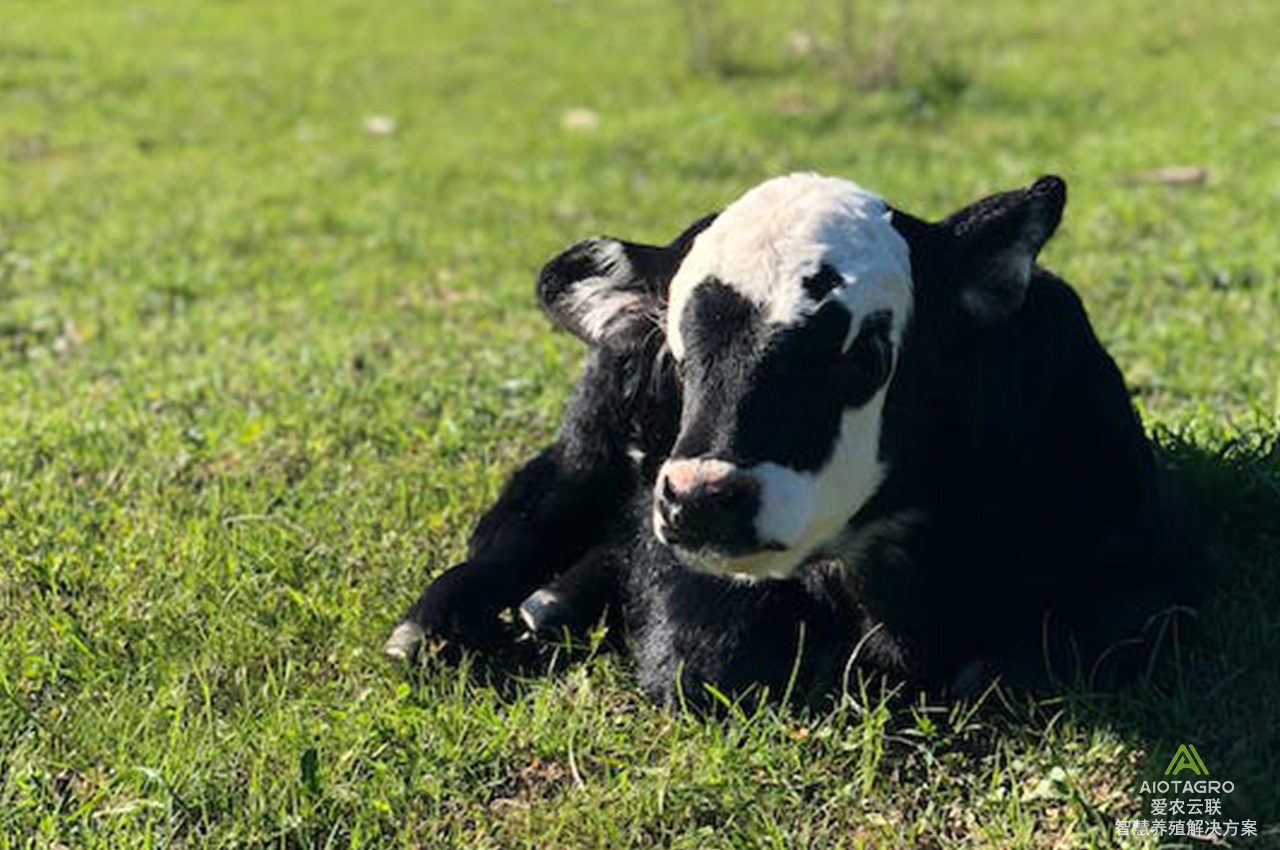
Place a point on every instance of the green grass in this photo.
(261, 369)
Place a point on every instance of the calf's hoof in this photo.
(405, 641)
(455, 611)
(546, 614)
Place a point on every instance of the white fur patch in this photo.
(786, 503)
(596, 303)
(636, 454)
(768, 241)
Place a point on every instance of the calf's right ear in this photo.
(997, 242)
(611, 293)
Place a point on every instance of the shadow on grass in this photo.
(1218, 688)
(516, 661)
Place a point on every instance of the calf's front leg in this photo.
(551, 511)
(578, 598)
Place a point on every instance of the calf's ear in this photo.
(611, 293)
(997, 242)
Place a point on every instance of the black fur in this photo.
(818, 284)
(1024, 526)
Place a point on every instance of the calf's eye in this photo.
(826, 332)
(865, 365)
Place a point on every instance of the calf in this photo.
(815, 431)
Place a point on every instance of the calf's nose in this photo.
(706, 504)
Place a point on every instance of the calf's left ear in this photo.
(611, 293)
(997, 242)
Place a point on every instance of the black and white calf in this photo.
(814, 427)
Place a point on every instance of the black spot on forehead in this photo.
(818, 284)
(717, 317)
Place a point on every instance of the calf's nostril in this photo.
(716, 511)
(668, 492)
(668, 510)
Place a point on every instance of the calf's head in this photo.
(787, 315)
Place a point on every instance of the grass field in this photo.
(262, 363)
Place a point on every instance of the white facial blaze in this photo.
(804, 511)
(764, 245)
